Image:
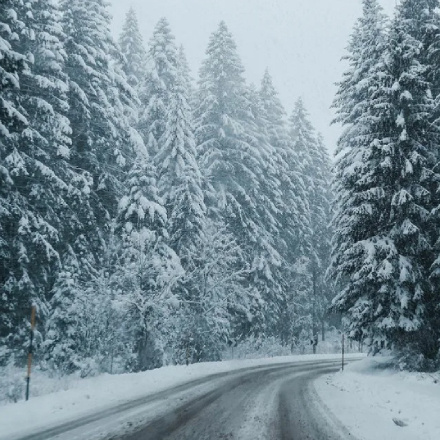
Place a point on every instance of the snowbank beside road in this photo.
(91, 395)
(375, 402)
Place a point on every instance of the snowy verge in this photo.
(88, 396)
(376, 402)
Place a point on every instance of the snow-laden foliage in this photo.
(314, 166)
(132, 47)
(147, 269)
(386, 223)
(233, 152)
(152, 221)
(154, 91)
(41, 184)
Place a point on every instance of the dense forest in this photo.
(154, 218)
(150, 218)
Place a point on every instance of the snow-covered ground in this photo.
(88, 396)
(376, 402)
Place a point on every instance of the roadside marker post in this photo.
(29, 363)
(343, 348)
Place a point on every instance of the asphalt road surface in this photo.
(275, 402)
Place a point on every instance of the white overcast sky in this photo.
(300, 41)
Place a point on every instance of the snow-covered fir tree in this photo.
(232, 159)
(268, 265)
(132, 46)
(149, 268)
(161, 75)
(12, 123)
(320, 223)
(180, 184)
(293, 212)
(314, 166)
(44, 225)
(101, 142)
(99, 110)
(386, 185)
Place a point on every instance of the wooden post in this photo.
(343, 342)
(29, 363)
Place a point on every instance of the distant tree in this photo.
(314, 166)
(293, 210)
(231, 159)
(132, 47)
(161, 75)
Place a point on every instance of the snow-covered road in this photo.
(269, 404)
(272, 401)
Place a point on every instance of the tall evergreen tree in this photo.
(179, 175)
(320, 222)
(132, 46)
(148, 267)
(162, 72)
(44, 224)
(293, 214)
(303, 138)
(352, 103)
(383, 246)
(232, 156)
(268, 264)
(12, 123)
(101, 145)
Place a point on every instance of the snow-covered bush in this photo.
(12, 382)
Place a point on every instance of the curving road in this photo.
(267, 402)
(271, 403)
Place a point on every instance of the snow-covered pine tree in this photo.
(383, 245)
(185, 73)
(352, 103)
(46, 184)
(365, 50)
(149, 268)
(12, 123)
(293, 214)
(161, 74)
(101, 142)
(304, 145)
(132, 46)
(320, 223)
(180, 185)
(179, 177)
(99, 110)
(269, 277)
(230, 156)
